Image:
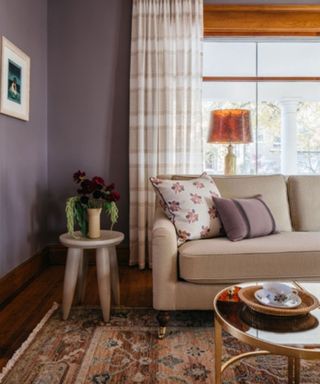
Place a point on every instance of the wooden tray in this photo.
(309, 303)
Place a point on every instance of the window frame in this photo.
(261, 20)
(258, 79)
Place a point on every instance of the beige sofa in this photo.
(188, 277)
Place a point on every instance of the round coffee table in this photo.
(76, 266)
(297, 338)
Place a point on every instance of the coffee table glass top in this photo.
(295, 332)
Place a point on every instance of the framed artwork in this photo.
(15, 81)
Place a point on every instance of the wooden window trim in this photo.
(260, 78)
(261, 20)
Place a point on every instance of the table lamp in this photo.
(230, 126)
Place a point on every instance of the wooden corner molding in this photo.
(261, 20)
(17, 279)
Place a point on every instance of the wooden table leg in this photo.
(103, 274)
(218, 350)
(81, 288)
(115, 286)
(70, 279)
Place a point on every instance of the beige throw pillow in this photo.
(190, 206)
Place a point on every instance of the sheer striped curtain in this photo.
(165, 105)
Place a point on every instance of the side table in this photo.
(76, 266)
(294, 337)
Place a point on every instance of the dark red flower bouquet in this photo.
(92, 193)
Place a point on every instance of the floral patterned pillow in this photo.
(190, 206)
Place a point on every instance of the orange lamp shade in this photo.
(230, 126)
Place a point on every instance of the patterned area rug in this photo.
(84, 350)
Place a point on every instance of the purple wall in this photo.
(23, 145)
(88, 91)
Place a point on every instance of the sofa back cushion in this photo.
(273, 188)
(304, 197)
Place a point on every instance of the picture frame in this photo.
(14, 81)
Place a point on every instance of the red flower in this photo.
(98, 180)
(112, 196)
(110, 187)
(94, 188)
(97, 194)
(87, 186)
(79, 176)
(115, 195)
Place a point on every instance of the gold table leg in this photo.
(297, 370)
(219, 368)
(293, 363)
(290, 370)
(293, 370)
(218, 350)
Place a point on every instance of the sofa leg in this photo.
(163, 318)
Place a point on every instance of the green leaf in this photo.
(76, 213)
(70, 213)
(111, 209)
(81, 217)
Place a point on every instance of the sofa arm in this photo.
(164, 262)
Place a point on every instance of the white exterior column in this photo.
(289, 153)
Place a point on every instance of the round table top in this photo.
(107, 238)
(293, 336)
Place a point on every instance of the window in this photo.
(285, 109)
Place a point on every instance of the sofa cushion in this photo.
(273, 188)
(189, 205)
(304, 197)
(245, 218)
(286, 255)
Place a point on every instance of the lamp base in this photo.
(230, 162)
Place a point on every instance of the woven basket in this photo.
(308, 303)
(278, 324)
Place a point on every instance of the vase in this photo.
(94, 222)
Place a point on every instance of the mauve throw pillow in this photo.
(245, 218)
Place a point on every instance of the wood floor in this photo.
(23, 313)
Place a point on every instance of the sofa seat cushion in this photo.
(284, 255)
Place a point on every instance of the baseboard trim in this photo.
(57, 254)
(16, 280)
